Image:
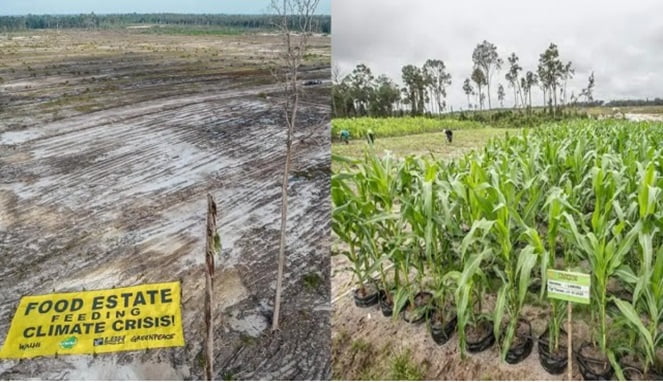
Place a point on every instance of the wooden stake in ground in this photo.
(572, 287)
(569, 334)
(210, 248)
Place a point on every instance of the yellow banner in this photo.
(139, 317)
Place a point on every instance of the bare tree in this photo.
(294, 22)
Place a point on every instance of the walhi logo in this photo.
(68, 343)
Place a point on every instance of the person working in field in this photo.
(345, 136)
(449, 134)
(370, 136)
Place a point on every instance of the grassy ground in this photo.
(397, 126)
(367, 361)
(197, 30)
(424, 144)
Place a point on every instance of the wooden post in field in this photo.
(209, 274)
(569, 333)
(572, 287)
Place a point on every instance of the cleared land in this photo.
(109, 143)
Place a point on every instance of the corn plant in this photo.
(377, 184)
(648, 285)
(556, 204)
(346, 224)
(514, 268)
(579, 195)
(604, 244)
(471, 284)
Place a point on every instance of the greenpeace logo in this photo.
(153, 337)
(69, 343)
(114, 340)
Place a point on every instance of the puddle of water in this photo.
(18, 137)
(250, 324)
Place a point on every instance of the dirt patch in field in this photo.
(643, 117)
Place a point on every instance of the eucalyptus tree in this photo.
(343, 102)
(385, 94)
(362, 84)
(551, 72)
(512, 76)
(500, 94)
(523, 89)
(540, 70)
(480, 80)
(587, 92)
(469, 90)
(485, 57)
(415, 83)
(437, 79)
(531, 79)
(336, 81)
(567, 74)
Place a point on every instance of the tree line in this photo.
(320, 23)
(635, 102)
(424, 88)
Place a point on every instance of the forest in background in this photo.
(321, 23)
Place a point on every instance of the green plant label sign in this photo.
(569, 286)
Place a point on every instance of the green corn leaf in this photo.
(632, 316)
(500, 308)
(526, 261)
(615, 365)
(400, 299)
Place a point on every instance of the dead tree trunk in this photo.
(294, 53)
(210, 248)
(290, 117)
(284, 215)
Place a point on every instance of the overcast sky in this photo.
(621, 41)
(23, 7)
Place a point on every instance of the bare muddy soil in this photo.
(643, 117)
(107, 154)
(367, 345)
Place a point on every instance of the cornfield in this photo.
(435, 239)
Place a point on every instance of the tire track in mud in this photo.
(118, 197)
